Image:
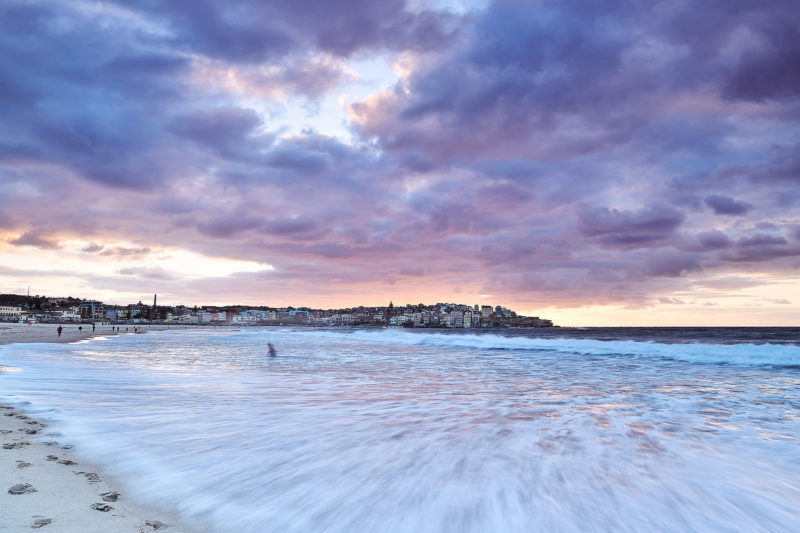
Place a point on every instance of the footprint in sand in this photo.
(90, 476)
(40, 522)
(22, 464)
(110, 496)
(27, 488)
(101, 507)
(12, 445)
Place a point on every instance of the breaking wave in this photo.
(766, 354)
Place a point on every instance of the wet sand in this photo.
(45, 484)
(14, 333)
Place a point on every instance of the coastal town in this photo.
(43, 309)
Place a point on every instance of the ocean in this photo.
(595, 430)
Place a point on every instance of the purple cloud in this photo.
(92, 248)
(672, 265)
(629, 228)
(493, 164)
(724, 205)
(35, 239)
(713, 240)
(122, 251)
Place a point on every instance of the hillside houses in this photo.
(441, 315)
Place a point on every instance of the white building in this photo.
(10, 311)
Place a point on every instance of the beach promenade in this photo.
(49, 485)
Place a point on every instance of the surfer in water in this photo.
(272, 352)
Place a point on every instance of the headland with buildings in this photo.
(43, 309)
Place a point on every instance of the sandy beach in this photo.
(46, 484)
(16, 333)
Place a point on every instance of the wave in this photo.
(740, 354)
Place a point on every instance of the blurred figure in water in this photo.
(272, 352)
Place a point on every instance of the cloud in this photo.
(724, 205)
(623, 228)
(32, 238)
(761, 239)
(148, 273)
(230, 131)
(124, 251)
(713, 240)
(92, 248)
(228, 225)
(761, 247)
(242, 31)
(560, 153)
(672, 265)
(767, 70)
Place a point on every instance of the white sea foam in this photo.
(748, 354)
(397, 431)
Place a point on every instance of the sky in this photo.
(596, 162)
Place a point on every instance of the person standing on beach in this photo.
(80, 329)
(59, 330)
(92, 327)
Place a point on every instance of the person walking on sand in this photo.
(272, 351)
(80, 329)
(59, 330)
(92, 327)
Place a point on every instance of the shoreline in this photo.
(13, 333)
(47, 484)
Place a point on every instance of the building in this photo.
(10, 311)
(91, 310)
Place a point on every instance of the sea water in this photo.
(395, 430)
